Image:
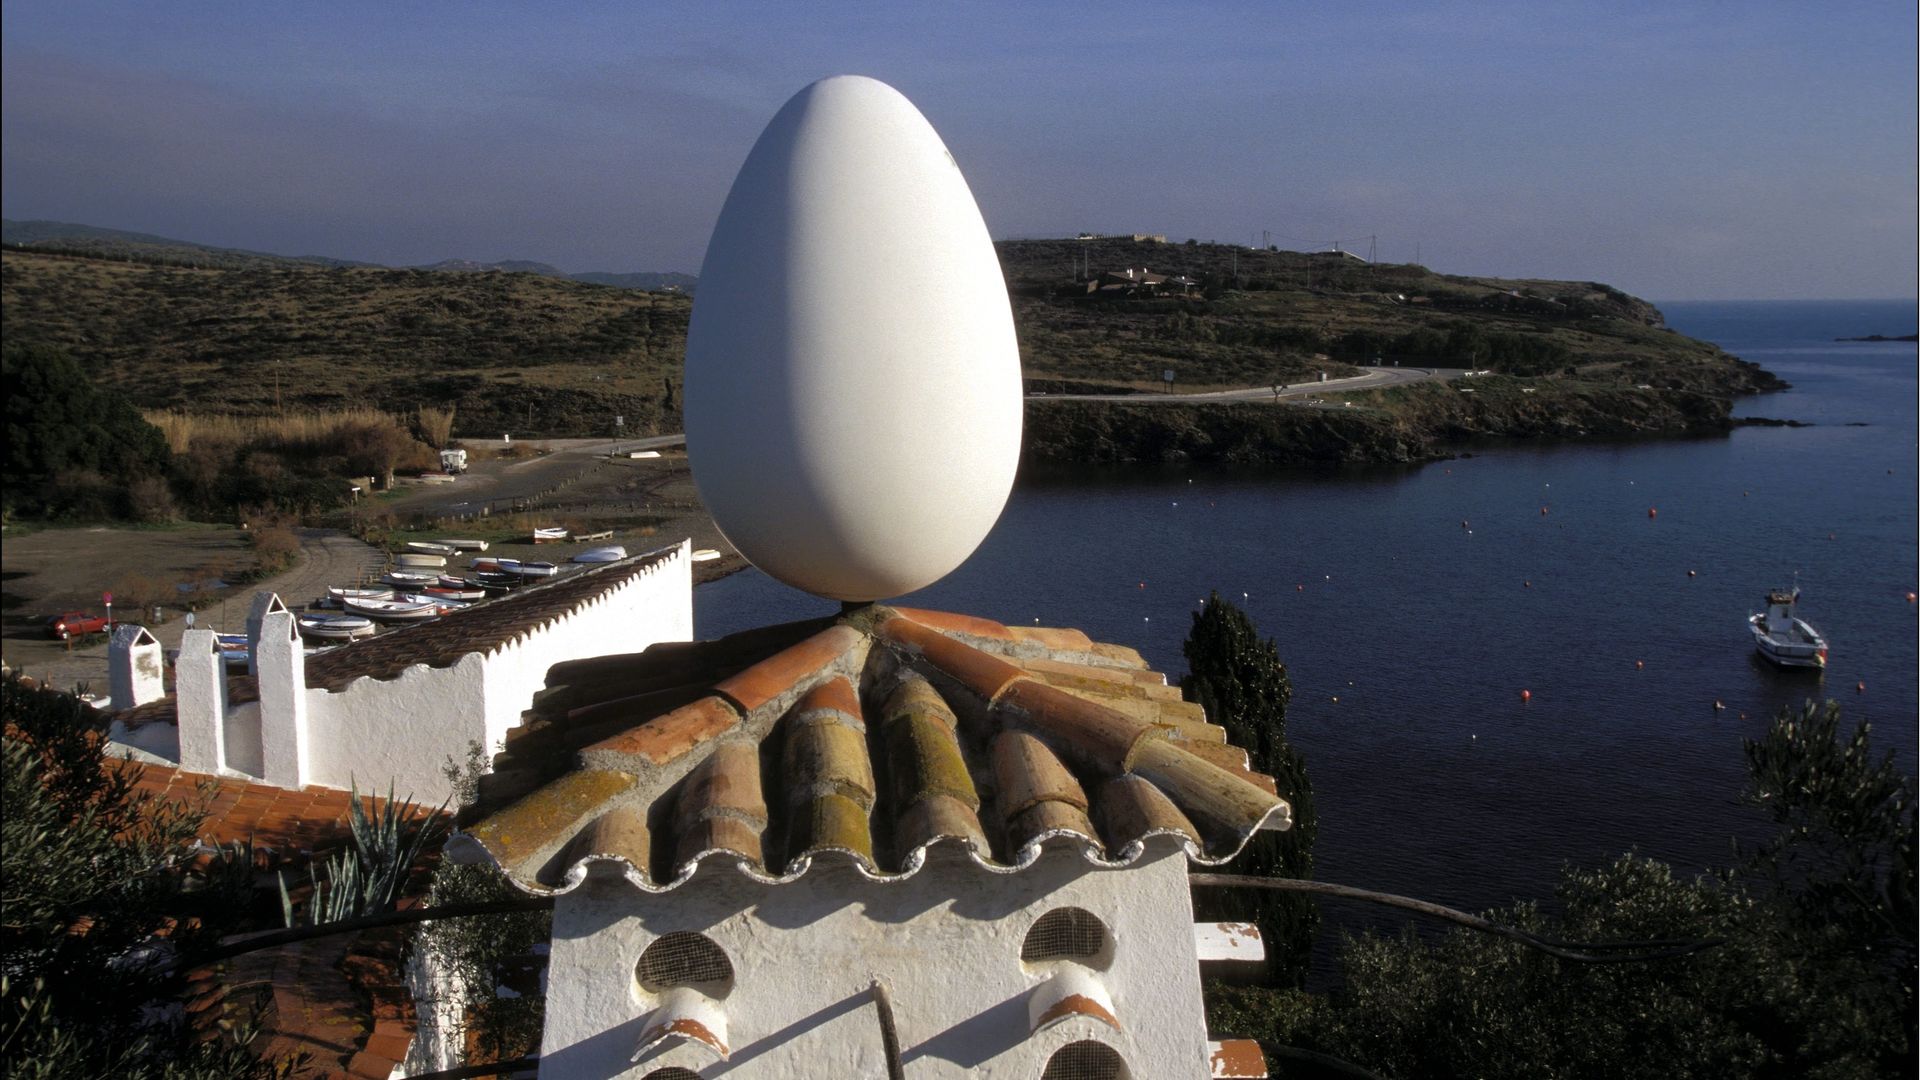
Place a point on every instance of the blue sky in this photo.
(1678, 151)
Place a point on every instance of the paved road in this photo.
(1374, 379)
(491, 477)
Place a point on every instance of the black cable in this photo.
(1578, 952)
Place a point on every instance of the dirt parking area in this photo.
(646, 503)
(49, 571)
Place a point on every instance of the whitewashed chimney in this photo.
(200, 702)
(135, 669)
(263, 605)
(283, 700)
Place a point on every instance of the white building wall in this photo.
(405, 730)
(946, 943)
(655, 607)
(399, 733)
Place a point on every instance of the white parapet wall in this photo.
(946, 943)
(403, 732)
(654, 607)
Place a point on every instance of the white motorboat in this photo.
(464, 545)
(336, 627)
(430, 547)
(395, 610)
(705, 555)
(414, 560)
(610, 553)
(1782, 637)
(549, 536)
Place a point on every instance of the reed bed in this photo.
(287, 431)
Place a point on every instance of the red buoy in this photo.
(1528, 584)
(1543, 511)
(1299, 588)
(1860, 688)
(1639, 665)
(1910, 596)
(1526, 695)
(1652, 513)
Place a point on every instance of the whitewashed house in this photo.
(394, 709)
(753, 841)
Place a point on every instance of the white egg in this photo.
(853, 385)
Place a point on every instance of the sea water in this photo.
(1609, 582)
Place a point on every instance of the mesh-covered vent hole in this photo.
(1067, 933)
(672, 1072)
(684, 958)
(1085, 1060)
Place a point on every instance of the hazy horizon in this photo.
(1677, 155)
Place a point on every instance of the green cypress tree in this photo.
(1239, 679)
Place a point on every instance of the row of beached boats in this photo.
(416, 588)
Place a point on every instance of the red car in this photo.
(76, 624)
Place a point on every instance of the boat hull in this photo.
(1793, 653)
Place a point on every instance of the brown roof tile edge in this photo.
(1232, 807)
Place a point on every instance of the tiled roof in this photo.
(340, 1001)
(441, 642)
(867, 738)
(304, 820)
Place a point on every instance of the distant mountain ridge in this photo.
(92, 240)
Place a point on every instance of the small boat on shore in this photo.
(411, 579)
(446, 604)
(336, 595)
(705, 555)
(336, 627)
(395, 610)
(554, 535)
(538, 569)
(464, 594)
(464, 545)
(495, 580)
(416, 561)
(610, 553)
(233, 650)
(1783, 638)
(430, 547)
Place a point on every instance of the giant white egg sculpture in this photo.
(853, 385)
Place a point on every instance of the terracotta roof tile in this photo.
(237, 809)
(869, 738)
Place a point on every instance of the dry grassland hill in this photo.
(543, 355)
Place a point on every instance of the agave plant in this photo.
(367, 878)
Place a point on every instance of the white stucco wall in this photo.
(399, 733)
(439, 1001)
(946, 943)
(406, 729)
(655, 607)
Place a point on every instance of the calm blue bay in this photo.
(1410, 636)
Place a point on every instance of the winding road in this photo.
(1374, 379)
